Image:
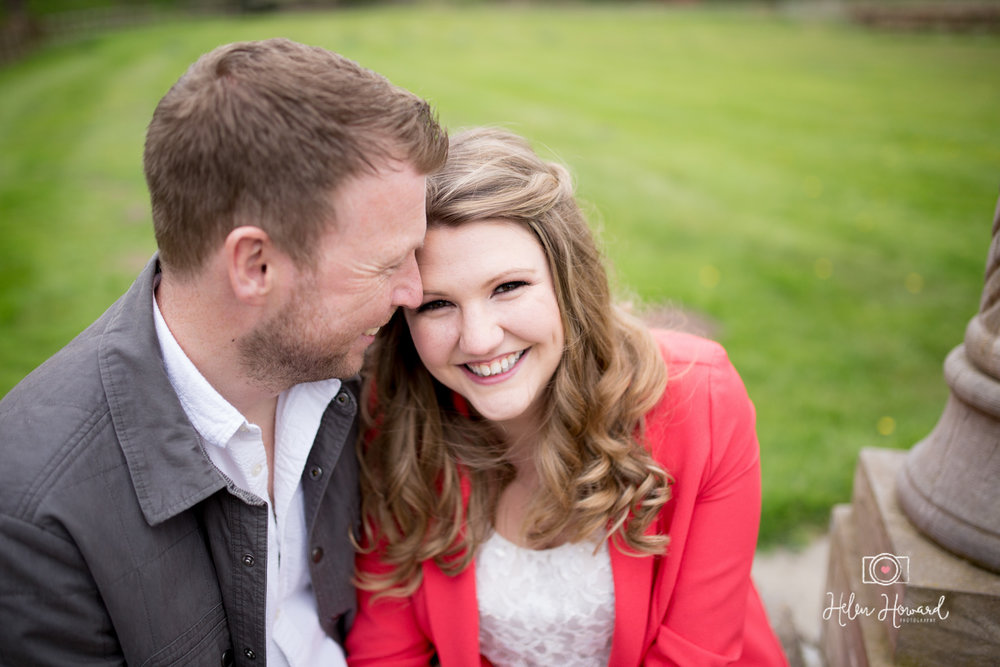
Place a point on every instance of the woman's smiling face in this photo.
(489, 325)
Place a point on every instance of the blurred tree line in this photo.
(28, 23)
(25, 24)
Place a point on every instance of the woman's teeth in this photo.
(372, 331)
(496, 366)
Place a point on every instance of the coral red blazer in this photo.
(694, 606)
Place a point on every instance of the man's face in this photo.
(364, 269)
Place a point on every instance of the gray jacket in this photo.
(119, 541)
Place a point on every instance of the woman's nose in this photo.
(481, 332)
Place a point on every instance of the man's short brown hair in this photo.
(262, 133)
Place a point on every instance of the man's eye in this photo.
(436, 304)
(509, 286)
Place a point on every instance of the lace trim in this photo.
(545, 607)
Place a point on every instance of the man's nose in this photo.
(408, 291)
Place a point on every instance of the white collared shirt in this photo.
(236, 447)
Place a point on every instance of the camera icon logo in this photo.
(885, 569)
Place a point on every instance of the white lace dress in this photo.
(549, 607)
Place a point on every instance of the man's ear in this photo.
(248, 251)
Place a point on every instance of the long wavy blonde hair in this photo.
(423, 443)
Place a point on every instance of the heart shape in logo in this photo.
(885, 569)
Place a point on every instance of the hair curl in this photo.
(596, 478)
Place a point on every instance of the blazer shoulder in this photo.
(699, 376)
(682, 350)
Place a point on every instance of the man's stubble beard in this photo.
(280, 353)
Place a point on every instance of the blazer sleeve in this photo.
(386, 631)
(705, 620)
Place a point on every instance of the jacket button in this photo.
(248, 560)
(317, 554)
(342, 398)
(315, 472)
(227, 658)
(248, 652)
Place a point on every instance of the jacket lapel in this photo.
(633, 576)
(452, 605)
(165, 459)
(453, 613)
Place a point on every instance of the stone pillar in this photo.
(914, 572)
(949, 486)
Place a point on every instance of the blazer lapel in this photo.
(633, 576)
(453, 613)
(453, 609)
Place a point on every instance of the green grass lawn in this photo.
(822, 192)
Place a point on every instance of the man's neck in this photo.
(207, 331)
(264, 415)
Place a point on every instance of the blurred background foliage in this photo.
(812, 192)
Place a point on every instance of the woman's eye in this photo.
(509, 286)
(432, 305)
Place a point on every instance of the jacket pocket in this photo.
(204, 643)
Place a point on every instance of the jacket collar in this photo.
(169, 470)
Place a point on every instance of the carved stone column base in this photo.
(893, 596)
(948, 486)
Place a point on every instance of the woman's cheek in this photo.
(432, 340)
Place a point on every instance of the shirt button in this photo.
(248, 560)
(248, 652)
(315, 472)
(317, 554)
(256, 470)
